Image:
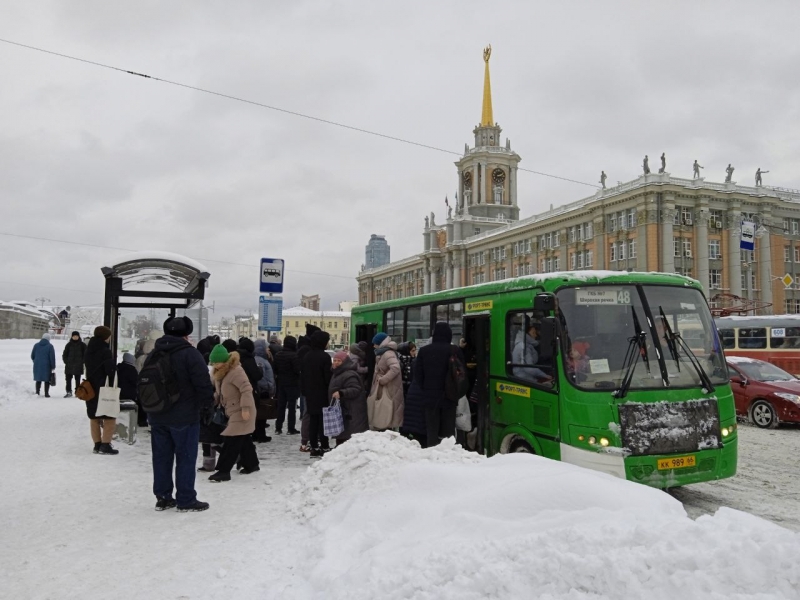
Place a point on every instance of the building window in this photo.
(714, 250)
(715, 218)
(632, 249)
(797, 254)
(498, 195)
(612, 222)
(612, 254)
(632, 218)
(687, 248)
(621, 251)
(714, 279)
(795, 226)
(589, 258)
(787, 257)
(686, 215)
(792, 306)
(676, 247)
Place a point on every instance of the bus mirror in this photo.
(547, 333)
(544, 302)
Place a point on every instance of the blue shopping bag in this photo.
(332, 419)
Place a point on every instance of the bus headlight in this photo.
(592, 440)
(790, 397)
(725, 432)
(604, 441)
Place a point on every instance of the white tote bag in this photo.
(108, 401)
(463, 415)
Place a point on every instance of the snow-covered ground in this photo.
(377, 518)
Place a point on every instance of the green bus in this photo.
(587, 367)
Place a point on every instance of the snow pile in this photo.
(401, 522)
(11, 387)
(367, 462)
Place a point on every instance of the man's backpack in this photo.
(158, 387)
(456, 384)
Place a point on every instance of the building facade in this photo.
(378, 252)
(654, 223)
(310, 302)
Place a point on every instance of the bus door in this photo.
(365, 333)
(476, 355)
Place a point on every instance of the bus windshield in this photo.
(641, 332)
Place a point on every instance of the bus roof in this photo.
(549, 281)
(758, 321)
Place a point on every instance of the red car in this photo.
(764, 393)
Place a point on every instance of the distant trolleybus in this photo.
(619, 372)
(773, 338)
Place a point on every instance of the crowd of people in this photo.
(220, 395)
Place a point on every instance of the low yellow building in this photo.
(336, 323)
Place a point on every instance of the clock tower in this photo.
(487, 173)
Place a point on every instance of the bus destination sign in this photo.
(593, 297)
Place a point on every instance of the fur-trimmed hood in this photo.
(233, 361)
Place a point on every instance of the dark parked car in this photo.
(764, 393)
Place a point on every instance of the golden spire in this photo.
(487, 119)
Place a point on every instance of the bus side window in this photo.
(728, 338)
(527, 359)
(753, 338)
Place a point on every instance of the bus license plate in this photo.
(677, 462)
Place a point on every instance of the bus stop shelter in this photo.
(151, 280)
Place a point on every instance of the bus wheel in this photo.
(763, 414)
(520, 446)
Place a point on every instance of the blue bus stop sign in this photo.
(271, 276)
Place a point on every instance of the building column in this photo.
(476, 187)
(599, 239)
(513, 190)
(734, 255)
(426, 281)
(448, 275)
(701, 251)
(432, 283)
(765, 262)
(667, 235)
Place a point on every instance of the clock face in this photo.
(467, 180)
(498, 176)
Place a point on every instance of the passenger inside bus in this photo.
(526, 352)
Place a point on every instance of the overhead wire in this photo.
(214, 260)
(277, 108)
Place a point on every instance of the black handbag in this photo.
(218, 417)
(53, 378)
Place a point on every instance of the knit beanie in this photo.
(230, 345)
(379, 337)
(102, 332)
(46, 336)
(128, 358)
(341, 355)
(74, 333)
(219, 354)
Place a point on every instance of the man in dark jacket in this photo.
(247, 358)
(100, 368)
(127, 382)
(430, 372)
(274, 346)
(73, 355)
(207, 344)
(175, 432)
(303, 346)
(315, 377)
(287, 379)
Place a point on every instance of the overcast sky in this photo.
(97, 156)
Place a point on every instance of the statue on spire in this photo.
(487, 117)
(487, 53)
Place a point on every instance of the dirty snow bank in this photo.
(390, 520)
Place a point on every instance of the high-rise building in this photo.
(310, 302)
(378, 252)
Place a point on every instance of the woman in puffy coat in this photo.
(235, 394)
(73, 355)
(347, 387)
(43, 356)
(100, 368)
(387, 380)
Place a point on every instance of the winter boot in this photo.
(68, 395)
(96, 448)
(195, 506)
(107, 449)
(316, 453)
(219, 477)
(165, 503)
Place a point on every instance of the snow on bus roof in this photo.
(761, 317)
